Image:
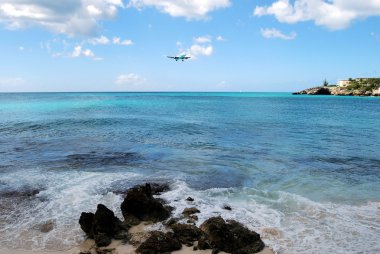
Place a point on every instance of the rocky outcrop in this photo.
(231, 237)
(339, 91)
(101, 226)
(315, 91)
(159, 242)
(186, 234)
(141, 204)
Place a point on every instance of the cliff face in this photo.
(340, 91)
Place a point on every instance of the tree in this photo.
(325, 83)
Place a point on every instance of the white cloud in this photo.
(21, 48)
(102, 40)
(118, 41)
(197, 9)
(202, 39)
(333, 14)
(78, 52)
(200, 50)
(270, 33)
(70, 17)
(129, 79)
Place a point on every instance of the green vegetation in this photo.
(364, 84)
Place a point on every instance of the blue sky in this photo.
(245, 45)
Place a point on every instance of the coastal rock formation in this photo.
(315, 91)
(186, 234)
(159, 242)
(231, 237)
(351, 87)
(101, 226)
(141, 204)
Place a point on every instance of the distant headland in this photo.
(349, 87)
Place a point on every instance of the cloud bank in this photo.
(333, 14)
(196, 9)
(70, 17)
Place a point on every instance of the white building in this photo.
(343, 83)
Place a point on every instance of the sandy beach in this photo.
(138, 234)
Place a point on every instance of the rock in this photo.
(102, 239)
(159, 242)
(140, 203)
(86, 221)
(215, 251)
(102, 226)
(189, 211)
(231, 237)
(105, 221)
(190, 199)
(171, 221)
(187, 234)
(193, 217)
(158, 188)
(227, 207)
(47, 226)
(316, 91)
(131, 220)
(203, 243)
(191, 221)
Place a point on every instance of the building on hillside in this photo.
(343, 83)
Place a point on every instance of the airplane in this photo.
(182, 57)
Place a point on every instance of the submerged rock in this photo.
(140, 203)
(231, 237)
(189, 211)
(159, 242)
(47, 226)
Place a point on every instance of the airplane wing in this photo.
(171, 57)
(187, 57)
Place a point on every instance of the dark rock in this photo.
(102, 239)
(189, 211)
(105, 221)
(158, 188)
(159, 242)
(227, 207)
(186, 234)
(231, 237)
(203, 243)
(193, 217)
(131, 220)
(190, 199)
(195, 248)
(86, 221)
(140, 203)
(215, 251)
(171, 221)
(102, 226)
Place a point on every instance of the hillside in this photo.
(351, 87)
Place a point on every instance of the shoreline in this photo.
(138, 233)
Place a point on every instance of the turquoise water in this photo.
(306, 166)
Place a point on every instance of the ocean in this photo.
(303, 171)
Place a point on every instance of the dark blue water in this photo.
(302, 158)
